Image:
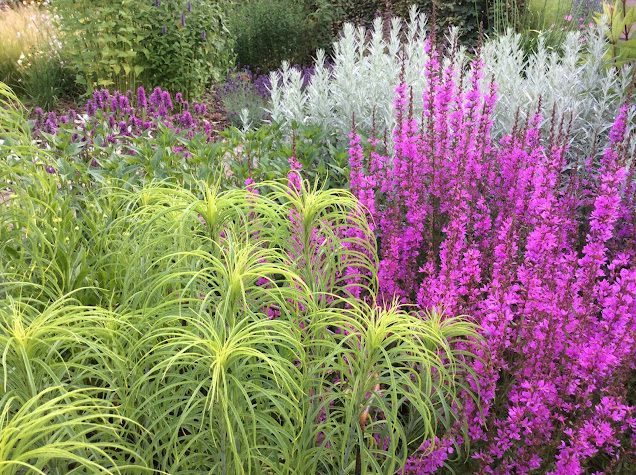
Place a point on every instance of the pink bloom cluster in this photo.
(540, 252)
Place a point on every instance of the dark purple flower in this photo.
(186, 120)
(124, 105)
(141, 98)
(114, 101)
(156, 96)
(202, 34)
(165, 97)
(157, 3)
(189, 6)
(182, 19)
(163, 30)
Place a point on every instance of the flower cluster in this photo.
(244, 89)
(118, 116)
(542, 256)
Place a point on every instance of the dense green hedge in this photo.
(465, 14)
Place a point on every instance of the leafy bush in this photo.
(270, 31)
(367, 66)
(621, 19)
(125, 44)
(189, 43)
(463, 14)
(576, 83)
(544, 259)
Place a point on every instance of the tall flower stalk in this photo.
(541, 256)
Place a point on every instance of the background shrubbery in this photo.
(183, 45)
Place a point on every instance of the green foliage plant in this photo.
(106, 42)
(206, 330)
(190, 45)
(620, 18)
(270, 31)
(121, 45)
(466, 15)
(58, 431)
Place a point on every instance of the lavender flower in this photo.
(182, 19)
(189, 6)
(203, 34)
(167, 102)
(141, 98)
(163, 30)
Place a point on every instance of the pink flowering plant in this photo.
(540, 252)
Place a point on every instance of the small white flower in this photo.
(19, 34)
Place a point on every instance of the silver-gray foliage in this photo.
(366, 69)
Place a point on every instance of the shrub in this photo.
(125, 44)
(465, 15)
(360, 80)
(270, 31)
(544, 259)
(621, 19)
(190, 45)
(576, 83)
(366, 69)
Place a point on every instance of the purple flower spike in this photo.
(124, 105)
(141, 98)
(189, 6)
(202, 34)
(165, 97)
(163, 30)
(178, 97)
(182, 19)
(157, 3)
(186, 120)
